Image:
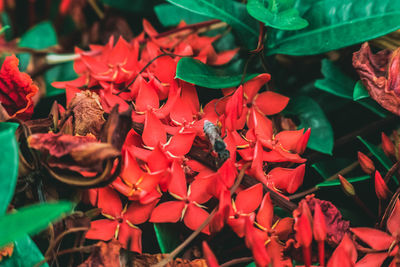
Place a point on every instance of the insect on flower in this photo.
(218, 145)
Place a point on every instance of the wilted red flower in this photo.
(379, 73)
(16, 90)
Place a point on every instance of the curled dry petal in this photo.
(373, 70)
(16, 90)
(87, 112)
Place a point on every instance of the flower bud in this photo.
(387, 146)
(367, 165)
(347, 186)
(381, 189)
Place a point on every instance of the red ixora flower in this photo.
(16, 90)
(121, 221)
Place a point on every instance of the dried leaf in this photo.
(105, 255)
(145, 260)
(87, 112)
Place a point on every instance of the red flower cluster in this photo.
(155, 161)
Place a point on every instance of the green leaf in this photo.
(336, 182)
(378, 153)
(30, 220)
(311, 116)
(8, 163)
(252, 264)
(167, 236)
(62, 72)
(230, 11)
(278, 14)
(41, 36)
(359, 91)
(360, 94)
(327, 168)
(335, 81)
(334, 24)
(176, 15)
(194, 71)
(25, 254)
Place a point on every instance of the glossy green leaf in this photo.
(167, 236)
(41, 36)
(327, 168)
(378, 153)
(336, 182)
(335, 81)
(311, 116)
(176, 15)
(30, 220)
(334, 24)
(252, 264)
(359, 91)
(8, 163)
(360, 94)
(278, 14)
(232, 12)
(62, 72)
(196, 72)
(25, 254)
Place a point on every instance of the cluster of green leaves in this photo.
(294, 27)
(15, 226)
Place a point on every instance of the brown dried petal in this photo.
(105, 255)
(373, 70)
(87, 112)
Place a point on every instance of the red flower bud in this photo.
(387, 145)
(209, 255)
(302, 144)
(367, 165)
(347, 186)
(381, 189)
(319, 231)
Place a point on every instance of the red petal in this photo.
(228, 172)
(224, 57)
(194, 217)
(102, 229)
(238, 225)
(248, 200)
(189, 95)
(372, 260)
(393, 223)
(287, 179)
(177, 184)
(209, 255)
(157, 160)
(374, 238)
(132, 235)
(319, 223)
(131, 171)
(109, 202)
(257, 164)
(270, 103)
(251, 87)
(119, 52)
(381, 189)
(170, 211)
(181, 112)
(262, 127)
(147, 98)
(138, 213)
(289, 139)
(345, 255)
(154, 131)
(266, 212)
(200, 190)
(180, 144)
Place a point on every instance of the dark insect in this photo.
(216, 141)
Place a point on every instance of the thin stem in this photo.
(343, 171)
(362, 205)
(96, 8)
(392, 171)
(187, 27)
